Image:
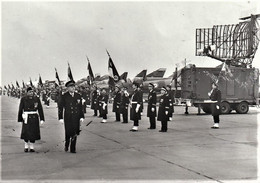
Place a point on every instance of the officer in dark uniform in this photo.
(83, 95)
(116, 103)
(99, 104)
(151, 108)
(103, 105)
(140, 88)
(215, 96)
(94, 104)
(29, 108)
(135, 104)
(124, 105)
(73, 115)
(163, 112)
(170, 94)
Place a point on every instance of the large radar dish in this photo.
(234, 44)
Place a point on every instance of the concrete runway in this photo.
(189, 152)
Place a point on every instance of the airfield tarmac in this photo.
(189, 152)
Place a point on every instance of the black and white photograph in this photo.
(130, 91)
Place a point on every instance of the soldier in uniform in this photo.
(142, 94)
(151, 108)
(215, 95)
(124, 105)
(99, 105)
(163, 112)
(135, 104)
(116, 103)
(170, 94)
(103, 105)
(29, 108)
(82, 92)
(87, 97)
(73, 115)
(94, 104)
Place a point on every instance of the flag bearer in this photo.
(116, 103)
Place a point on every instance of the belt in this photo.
(134, 102)
(25, 115)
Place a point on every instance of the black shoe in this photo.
(162, 131)
(26, 150)
(66, 149)
(124, 122)
(72, 151)
(132, 130)
(214, 127)
(32, 150)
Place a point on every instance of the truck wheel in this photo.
(225, 108)
(242, 108)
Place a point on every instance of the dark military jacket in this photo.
(31, 130)
(103, 101)
(124, 103)
(216, 96)
(135, 99)
(152, 98)
(164, 106)
(94, 104)
(72, 108)
(116, 103)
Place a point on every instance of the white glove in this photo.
(61, 121)
(81, 120)
(137, 108)
(41, 122)
(166, 112)
(152, 109)
(104, 107)
(217, 106)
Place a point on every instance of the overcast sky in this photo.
(39, 36)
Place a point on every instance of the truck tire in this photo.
(242, 108)
(225, 108)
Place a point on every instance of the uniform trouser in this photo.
(136, 123)
(164, 125)
(104, 116)
(216, 119)
(95, 112)
(125, 117)
(117, 116)
(73, 141)
(152, 123)
(32, 141)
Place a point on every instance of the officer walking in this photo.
(116, 103)
(73, 115)
(163, 112)
(151, 108)
(29, 108)
(135, 104)
(94, 104)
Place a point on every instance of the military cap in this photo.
(70, 83)
(151, 84)
(29, 88)
(164, 88)
(136, 84)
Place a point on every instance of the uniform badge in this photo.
(35, 104)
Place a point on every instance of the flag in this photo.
(31, 82)
(9, 86)
(57, 77)
(112, 70)
(40, 81)
(111, 82)
(91, 75)
(17, 84)
(70, 77)
(124, 76)
(5, 87)
(12, 86)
